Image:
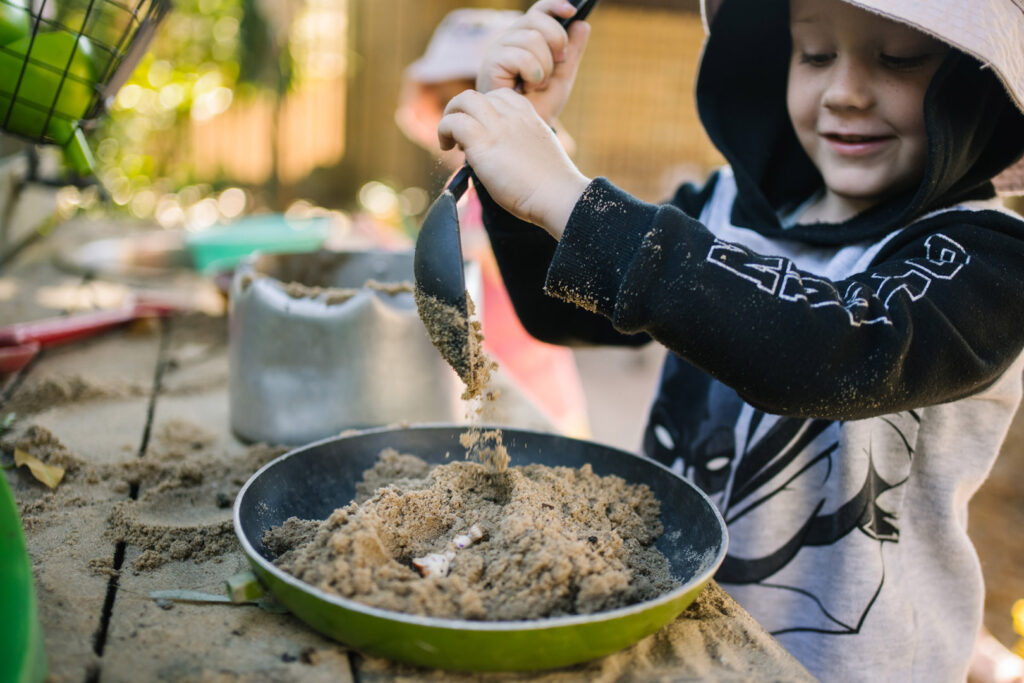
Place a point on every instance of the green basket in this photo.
(62, 60)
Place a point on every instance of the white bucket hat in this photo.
(459, 43)
(454, 53)
(991, 31)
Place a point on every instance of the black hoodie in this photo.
(838, 390)
(945, 348)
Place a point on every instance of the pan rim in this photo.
(546, 623)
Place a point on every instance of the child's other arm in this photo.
(523, 253)
(506, 135)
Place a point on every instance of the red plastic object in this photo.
(14, 358)
(20, 342)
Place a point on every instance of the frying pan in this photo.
(311, 481)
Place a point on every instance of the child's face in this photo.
(856, 99)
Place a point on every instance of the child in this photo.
(843, 303)
(545, 374)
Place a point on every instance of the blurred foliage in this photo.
(205, 55)
(263, 56)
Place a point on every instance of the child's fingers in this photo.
(550, 35)
(510, 101)
(523, 58)
(461, 124)
(539, 33)
(452, 129)
(506, 62)
(556, 8)
(579, 34)
(511, 115)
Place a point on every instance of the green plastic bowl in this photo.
(223, 247)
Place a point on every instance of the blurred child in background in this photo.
(547, 374)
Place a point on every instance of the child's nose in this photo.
(849, 86)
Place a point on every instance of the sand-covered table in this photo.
(138, 419)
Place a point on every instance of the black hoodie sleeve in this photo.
(935, 319)
(524, 251)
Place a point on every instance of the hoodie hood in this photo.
(975, 126)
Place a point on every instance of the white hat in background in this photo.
(454, 54)
(459, 43)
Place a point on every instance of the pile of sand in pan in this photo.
(461, 541)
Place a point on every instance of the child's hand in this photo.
(515, 154)
(537, 53)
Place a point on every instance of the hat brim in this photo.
(991, 31)
(423, 71)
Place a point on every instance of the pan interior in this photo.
(312, 481)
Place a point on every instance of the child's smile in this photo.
(857, 144)
(856, 93)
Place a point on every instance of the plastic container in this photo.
(316, 346)
(222, 248)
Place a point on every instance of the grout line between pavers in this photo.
(100, 638)
(353, 668)
(158, 380)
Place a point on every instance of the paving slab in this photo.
(183, 641)
(118, 365)
(713, 639)
(71, 558)
(86, 428)
(196, 357)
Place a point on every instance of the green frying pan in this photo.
(311, 481)
(22, 658)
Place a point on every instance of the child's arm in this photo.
(515, 155)
(524, 253)
(506, 135)
(934, 318)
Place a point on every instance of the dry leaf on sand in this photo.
(48, 474)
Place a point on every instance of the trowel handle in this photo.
(583, 8)
(460, 182)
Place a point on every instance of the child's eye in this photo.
(903, 63)
(817, 58)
